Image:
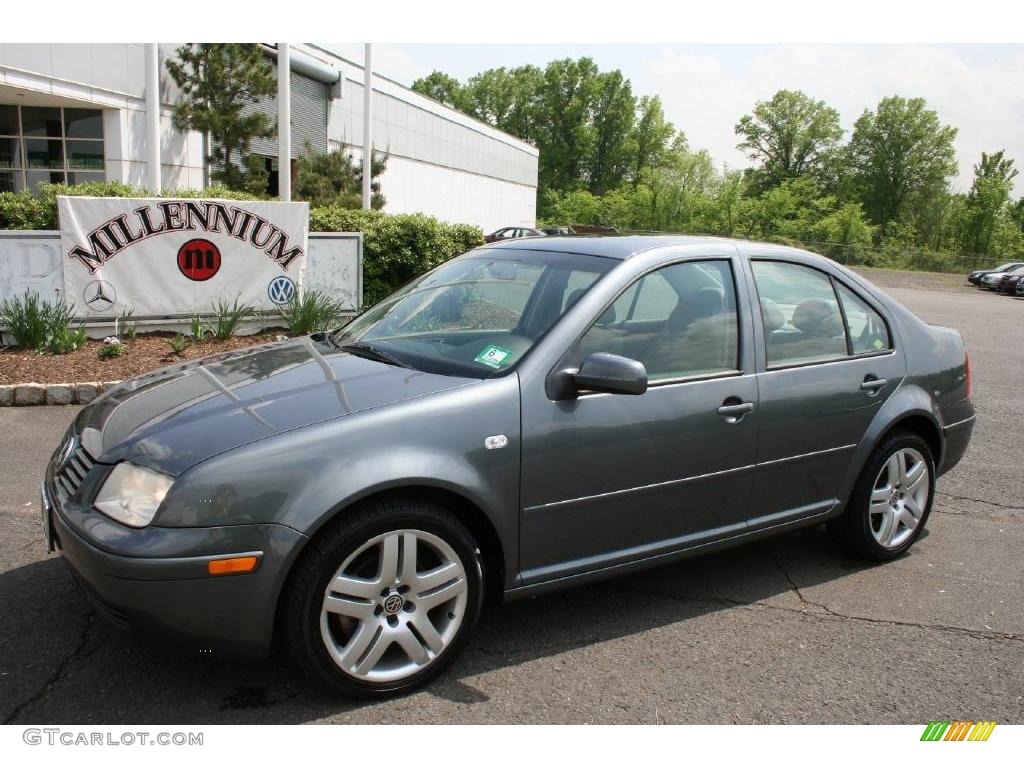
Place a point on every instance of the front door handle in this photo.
(871, 385)
(734, 412)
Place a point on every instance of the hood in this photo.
(175, 417)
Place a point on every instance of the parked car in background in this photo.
(977, 275)
(1008, 282)
(1020, 288)
(558, 231)
(511, 233)
(528, 416)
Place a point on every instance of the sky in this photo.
(706, 88)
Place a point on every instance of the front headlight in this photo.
(131, 495)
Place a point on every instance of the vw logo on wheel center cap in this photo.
(393, 603)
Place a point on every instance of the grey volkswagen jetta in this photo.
(528, 416)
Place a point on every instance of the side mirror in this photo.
(614, 374)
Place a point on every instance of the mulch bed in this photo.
(144, 353)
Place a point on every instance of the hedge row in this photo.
(396, 247)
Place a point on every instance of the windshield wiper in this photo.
(362, 349)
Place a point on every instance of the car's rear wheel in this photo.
(891, 500)
(384, 598)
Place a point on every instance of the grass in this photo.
(227, 317)
(313, 311)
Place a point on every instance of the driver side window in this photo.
(680, 321)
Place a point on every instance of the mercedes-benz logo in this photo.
(99, 295)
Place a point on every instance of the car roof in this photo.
(616, 246)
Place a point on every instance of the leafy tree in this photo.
(788, 136)
(900, 155)
(649, 138)
(218, 81)
(441, 87)
(336, 178)
(565, 135)
(613, 114)
(988, 200)
(507, 99)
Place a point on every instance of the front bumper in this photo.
(133, 581)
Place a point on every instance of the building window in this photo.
(51, 144)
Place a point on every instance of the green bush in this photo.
(107, 351)
(179, 343)
(226, 317)
(396, 247)
(314, 311)
(41, 325)
(199, 331)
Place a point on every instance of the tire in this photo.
(876, 524)
(362, 618)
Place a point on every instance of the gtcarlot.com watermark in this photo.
(70, 737)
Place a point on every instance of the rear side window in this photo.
(801, 315)
(868, 332)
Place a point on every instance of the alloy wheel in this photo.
(394, 605)
(899, 497)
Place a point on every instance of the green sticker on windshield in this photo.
(494, 356)
(879, 343)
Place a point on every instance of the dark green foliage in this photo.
(41, 325)
(179, 343)
(313, 311)
(396, 248)
(226, 317)
(108, 351)
(218, 81)
(336, 178)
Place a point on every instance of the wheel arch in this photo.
(470, 513)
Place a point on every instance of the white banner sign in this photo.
(163, 257)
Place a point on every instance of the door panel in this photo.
(611, 478)
(811, 420)
(607, 474)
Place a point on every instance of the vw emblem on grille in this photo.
(281, 289)
(99, 295)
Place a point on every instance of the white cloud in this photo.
(705, 92)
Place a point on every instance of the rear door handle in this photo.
(872, 385)
(732, 413)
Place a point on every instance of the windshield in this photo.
(477, 315)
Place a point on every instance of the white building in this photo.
(77, 112)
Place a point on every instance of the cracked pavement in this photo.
(789, 630)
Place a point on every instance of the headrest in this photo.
(817, 317)
(772, 316)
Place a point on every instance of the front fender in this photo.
(305, 477)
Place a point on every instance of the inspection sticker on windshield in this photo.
(494, 356)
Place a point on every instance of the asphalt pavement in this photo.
(784, 631)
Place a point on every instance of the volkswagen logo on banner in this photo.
(281, 289)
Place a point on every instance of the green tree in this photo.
(988, 200)
(788, 136)
(218, 82)
(336, 178)
(900, 156)
(565, 136)
(441, 87)
(613, 112)
(650, 137)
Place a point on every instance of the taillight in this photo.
(968, 356)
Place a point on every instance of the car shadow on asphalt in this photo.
(59, 652)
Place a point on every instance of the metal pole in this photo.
(367, 116)
(284, 124)
(153, 117)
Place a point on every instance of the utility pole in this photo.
(284, 122)
(153, 117)
(367, 117)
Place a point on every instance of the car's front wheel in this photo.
(384, 598)
(891, 500)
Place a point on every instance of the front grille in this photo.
(71, 475)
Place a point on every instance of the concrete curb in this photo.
(31, 393)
